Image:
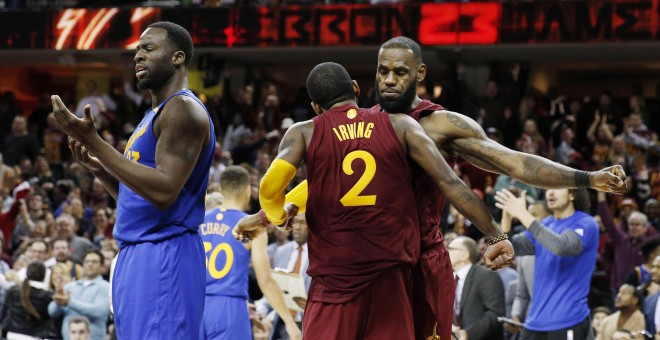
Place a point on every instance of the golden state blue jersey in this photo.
(227, 259)
(140, 221)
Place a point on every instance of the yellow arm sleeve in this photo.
(298, 196)
(271, 190)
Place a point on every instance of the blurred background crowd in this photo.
(55, 213)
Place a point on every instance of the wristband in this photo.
(262, 216)
(582, 179)
(492, 241)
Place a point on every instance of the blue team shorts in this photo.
(225, 318)
(158, 289)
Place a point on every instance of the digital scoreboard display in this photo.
(341, 25)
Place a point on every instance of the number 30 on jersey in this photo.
(211, 264)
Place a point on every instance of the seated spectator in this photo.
(597, 316)
(88, 296)
(651, 306)
(628, 316)
(79, 328)
(27, 306)
(642, 274)
(479, 294)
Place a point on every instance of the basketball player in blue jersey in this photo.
(159, 183)
(227, 260)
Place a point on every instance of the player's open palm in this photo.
(79, 129)
(611, 179)
(499, 255)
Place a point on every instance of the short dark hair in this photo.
(581, 200)
(94, 251)
(234, 179)
(178, 36)
(329, 83)
(649, 247)
(35, 271)
(405, 43)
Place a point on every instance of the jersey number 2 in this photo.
(353, 197)
(210, 261)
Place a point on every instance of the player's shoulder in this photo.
(185, 107)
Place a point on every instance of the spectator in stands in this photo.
(641, 274)
(65, 224)
(626, 245)
(97, 197)
(100, 222)
(531, 140)
(479, 294)
(79, 328)
(109, 254)
(281, 237)
(61, 254)
(652, 211)
(88, 296)
(37, 250)
(565, 245)
(651, 307)
(628, 316)
(565, 153)
(27, 306)
(597, 316)
(600, 136)
(97, 101)
(19, 143)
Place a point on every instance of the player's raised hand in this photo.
(80, 129)
(611, 179)
(499, 255)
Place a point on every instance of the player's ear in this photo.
(421, 72)
(178, 58)
(356, 88)
(317, 108)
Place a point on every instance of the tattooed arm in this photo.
(423, 152)
(421, 149)
(462, 136)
